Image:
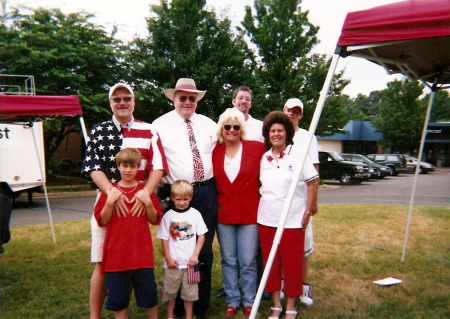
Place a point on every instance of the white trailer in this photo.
(22, 159)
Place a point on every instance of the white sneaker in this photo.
(306, 297)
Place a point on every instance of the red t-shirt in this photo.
(128, 242)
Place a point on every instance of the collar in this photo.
(181, 210)
(178, 119)
(118, 125)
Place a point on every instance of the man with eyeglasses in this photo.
(188, 139)
(105, 141)
(294, 109)
(242, 100)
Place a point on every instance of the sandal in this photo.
(276, 309)
(291, 312)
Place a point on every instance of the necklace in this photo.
(123, 192)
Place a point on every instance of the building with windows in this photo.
(360, 137)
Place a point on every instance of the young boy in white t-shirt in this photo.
(181, 232)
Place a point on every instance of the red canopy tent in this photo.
(22, 108)
(27, 109)
(409, 37)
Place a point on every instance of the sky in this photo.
(329, 15)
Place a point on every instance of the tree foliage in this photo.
(401, 116)
(185, 40)
(67, 55)
(284, 38)
(440, 111)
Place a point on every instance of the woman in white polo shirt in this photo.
(277, 171)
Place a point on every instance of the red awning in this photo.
(409, 37)
(405, 20)
(37, 107)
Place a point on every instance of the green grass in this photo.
(355, 245)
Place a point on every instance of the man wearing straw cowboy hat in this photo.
(188, 140)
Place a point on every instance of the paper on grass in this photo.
(388, 281)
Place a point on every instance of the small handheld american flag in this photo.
(193, 274)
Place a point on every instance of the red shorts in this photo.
(288, 261)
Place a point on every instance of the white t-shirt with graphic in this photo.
(181, 230)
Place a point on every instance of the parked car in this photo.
(396, 162)
(411, 163)
(334, 166)
(376, 170)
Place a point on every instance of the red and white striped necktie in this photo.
(199, 171)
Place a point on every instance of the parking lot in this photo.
(432, 189)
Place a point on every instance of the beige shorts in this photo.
(172, 280)
(309, 239)
(97, 238)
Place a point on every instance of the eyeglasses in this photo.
(119, 99)
(191, 98)
(235, 127)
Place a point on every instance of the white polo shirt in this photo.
(253, 129)
(276, 180)
(300, 139)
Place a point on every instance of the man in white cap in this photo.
(188, 139)
(242, 100)
(105, 141)
(294, 109)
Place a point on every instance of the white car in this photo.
(411, 163)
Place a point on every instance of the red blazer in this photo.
(238, 201)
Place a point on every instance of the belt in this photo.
(196, 185)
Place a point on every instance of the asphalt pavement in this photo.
(431, 189)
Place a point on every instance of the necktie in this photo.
(199, 172)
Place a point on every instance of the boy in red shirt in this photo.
(128, 249)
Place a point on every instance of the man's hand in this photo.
(143, 200)
(121, 207)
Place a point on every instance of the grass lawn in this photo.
(354, 246)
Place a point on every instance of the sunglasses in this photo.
(119, 99)
(235, 127)
(191, 98)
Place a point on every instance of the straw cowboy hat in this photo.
(184, 84)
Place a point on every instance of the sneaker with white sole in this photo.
(306, 297)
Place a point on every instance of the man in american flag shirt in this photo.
(105, 141)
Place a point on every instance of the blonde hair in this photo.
(230, 113)
(129, 156)
(182, 188)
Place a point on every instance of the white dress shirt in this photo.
(172, 131)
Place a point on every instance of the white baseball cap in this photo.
(291, 103)
(118, 86)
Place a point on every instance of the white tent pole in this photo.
(44, 185)
(83, 129)
(290, 195)
(416, 173)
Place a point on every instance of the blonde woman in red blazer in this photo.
(236, 164)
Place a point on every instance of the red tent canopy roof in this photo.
(410, 37)
(26, 107)
(411, 19)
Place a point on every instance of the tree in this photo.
(67, 55)
(187, 41)
(401, 116)
(365, 108)
(284, 37)
(440, 111)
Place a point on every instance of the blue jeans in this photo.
(239, 247)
